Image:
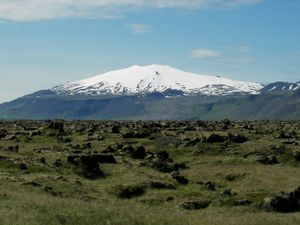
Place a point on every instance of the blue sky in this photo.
(45, 44)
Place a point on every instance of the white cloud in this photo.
(240, 60)
(30, 10)
(137, 28)
(244, 49)
(206, 53)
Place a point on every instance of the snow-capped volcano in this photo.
(155, 78)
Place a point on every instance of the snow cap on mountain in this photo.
(155, 78)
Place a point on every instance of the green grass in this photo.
(57, 195)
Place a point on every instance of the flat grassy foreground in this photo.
(144, 173)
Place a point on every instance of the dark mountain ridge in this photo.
(275, 105)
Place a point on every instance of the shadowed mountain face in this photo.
(281, 86)
(46, 105)
(158, 92)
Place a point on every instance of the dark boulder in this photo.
(14, 148)
(43, 160)
(139, 153)
(163, 155)
(109, 149)
(195, 204)
(227, 191)
(35, 133)
(128, 134)
(104, 158)
(210, 185)
(127, 149)
(180, 179)
(161, 185)
(57, 163)
(136, 134)
(167, 140)
(238, 138)
(130, 191)
(86, 146)
(98, 158)
(3, 133)
(23, 166)
(242, 202)
(178, 166)
(115, 129)
(73, 159)
(160, 165)
(90, 167)
(56, 125)
(213, 138)
(268, 160)
(63, 139)
(296, 155)
(286, 202)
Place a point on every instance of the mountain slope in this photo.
(155, 78)
(155, 107)
(281, 86)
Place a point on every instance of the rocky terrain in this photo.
(149, 172)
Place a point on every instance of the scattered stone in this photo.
(163, 155)
(170, 199)
(43, 160)
(35, 133)
(130, 191)
(278, 148)
(88, 166)
(160, 165)
(127, 149)
(136, 134)
(98, 158)
(227, 191)
(11, 137)
(213, 138)
(286, 202)
(57, 163)
(23, 166)
(63, 139)
(115, 129)
(3, 133)
(195, 204)
(242, 202)
(33, 183)
(139, 153)
(167, 140)
(109, 149)
(178, 166)
(180, 179)
(296, 155)
(161, 185)
(239, 138)
(14, 148)
(210, 186)
(56, 125)
(104, 158)
(288, 141)
(268, 160)
(234, 176)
